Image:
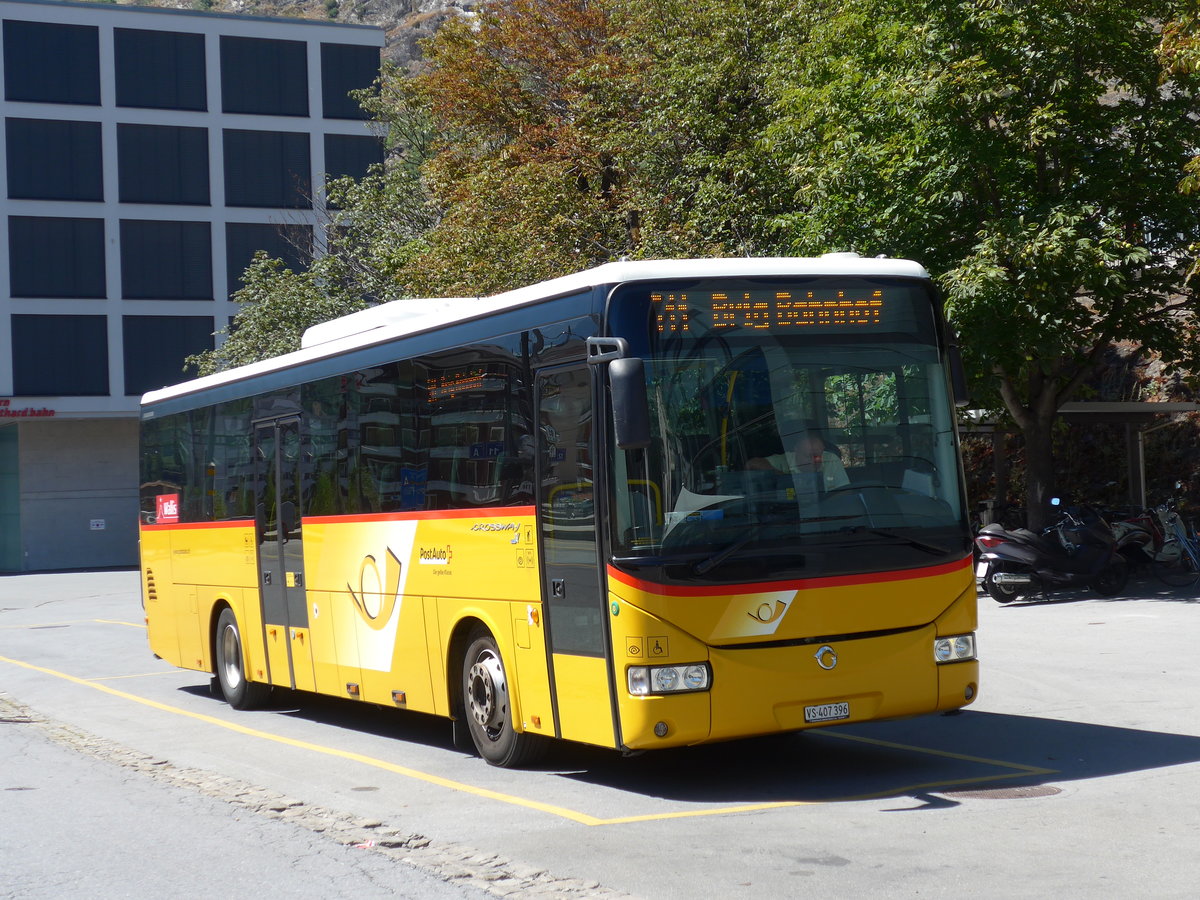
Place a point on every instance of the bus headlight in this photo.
(954, 648)
(690, 677)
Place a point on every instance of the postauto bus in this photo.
(652, 504)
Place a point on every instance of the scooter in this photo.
(1079, 550)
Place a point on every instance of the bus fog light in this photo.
(688, 678)
(955, 648)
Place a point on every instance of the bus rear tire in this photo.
(488, 710)
(231, 666)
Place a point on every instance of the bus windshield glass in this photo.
(800, 426)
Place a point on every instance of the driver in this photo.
(810, 455)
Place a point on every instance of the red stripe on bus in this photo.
(798, 584)
(492, 512)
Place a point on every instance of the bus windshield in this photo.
(801, 427)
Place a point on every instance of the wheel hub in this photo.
(486, 692)
(232, 653)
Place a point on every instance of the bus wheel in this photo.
(488, 711)
(231, 669)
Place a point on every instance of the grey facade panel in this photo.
(162, 164)
(268, 169)
(290, 243)
(51, 63)
(78, 347)
(56, 257)
(160, 69)
(156, 346)
(54, 160)
(166, 260)
(264, 77)
(346, 68)
(351, 154)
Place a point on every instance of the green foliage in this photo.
(278, 305)
(1028, 153)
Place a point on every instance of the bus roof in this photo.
(400, 318)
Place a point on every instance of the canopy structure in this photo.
(1140, 418)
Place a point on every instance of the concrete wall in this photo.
(74, 473)
(10, 502)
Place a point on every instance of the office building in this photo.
(148, 154)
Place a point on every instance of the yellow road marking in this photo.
(549, 808)
(36, 625)
(927, 751)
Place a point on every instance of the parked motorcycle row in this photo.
(1085, 548)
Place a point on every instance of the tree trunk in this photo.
(1039, 471)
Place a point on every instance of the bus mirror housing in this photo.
(631, 410)
(958, 372)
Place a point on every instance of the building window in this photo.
(264, 77)
(290, 243)
(56, 257)
(160, 69)
(351, 154)
(53, 160)
(162, 164)
(346, 68)
(166, 260)
(156, 346)
(45, 63)
(267, 168)
(60, 356)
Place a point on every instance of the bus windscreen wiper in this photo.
(905, 539)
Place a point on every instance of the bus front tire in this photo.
(231, 667)
(487, 707)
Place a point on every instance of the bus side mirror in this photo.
(958, 373)
(631, 410)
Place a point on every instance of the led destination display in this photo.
(676, 313)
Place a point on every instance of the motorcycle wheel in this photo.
(1001, 593)
(1112, 580)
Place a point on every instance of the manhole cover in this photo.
(1007, 793)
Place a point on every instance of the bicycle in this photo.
(1178, 562)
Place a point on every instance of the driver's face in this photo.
(809, 452)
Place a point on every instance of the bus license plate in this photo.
(827, 712)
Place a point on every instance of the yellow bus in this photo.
(653, 504)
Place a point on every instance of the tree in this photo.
(522, 189)
(1029, 154)
(277, 306)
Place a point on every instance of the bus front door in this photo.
(281, 553)
(574, 603)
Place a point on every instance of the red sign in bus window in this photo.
(167, 509)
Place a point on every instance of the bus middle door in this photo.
(281, 553)
(574, 603)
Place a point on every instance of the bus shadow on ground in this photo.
(929, 755)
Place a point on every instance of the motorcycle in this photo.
(1079, 550)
